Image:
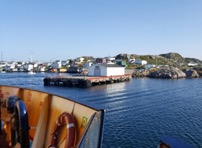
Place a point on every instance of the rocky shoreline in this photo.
(168, 72)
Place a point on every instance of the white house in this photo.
(28, 66)
(43, 69)
(35, 65)
(141, 62)
(65, 63)
(57, 64)
(88, 64)
(11, 64)
(192, 64)
(106, 70)
(2, 64)
(147, 66)
(110, 59)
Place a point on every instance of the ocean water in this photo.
(138, 112)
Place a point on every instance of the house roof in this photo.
(110, 65)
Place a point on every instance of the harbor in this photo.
(100, 74)
(150, 108)
(84, 81)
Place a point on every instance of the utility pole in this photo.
(1, 55)
(156, 60)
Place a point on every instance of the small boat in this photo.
(31, 118)
(31, 73)
(3, 71)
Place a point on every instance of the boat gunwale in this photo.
(53, 95)
(97, 111)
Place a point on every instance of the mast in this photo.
(31, 57)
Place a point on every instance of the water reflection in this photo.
(113, 89)
(138, 112)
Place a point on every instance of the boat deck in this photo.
(43, 110)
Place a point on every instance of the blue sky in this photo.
(66, 29)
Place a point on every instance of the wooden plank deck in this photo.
(84, 81)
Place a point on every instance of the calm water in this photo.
(138, 112)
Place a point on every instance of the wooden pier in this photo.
(84, 81)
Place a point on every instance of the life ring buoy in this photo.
(65, 119)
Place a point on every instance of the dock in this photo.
(84, 81)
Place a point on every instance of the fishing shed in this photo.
(105, 69)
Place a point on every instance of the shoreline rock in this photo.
(167, 72)
(191, 73)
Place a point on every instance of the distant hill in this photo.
(172, 58)
(176, 57)
(193, 60)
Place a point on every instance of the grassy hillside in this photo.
(173, 59)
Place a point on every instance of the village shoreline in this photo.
(166, 66)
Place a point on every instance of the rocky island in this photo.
(169, 66)
(167, 72)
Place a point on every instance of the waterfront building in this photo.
(110, 59)
(57, 64)
(140, 62)
(106, 70)
(28, 67)
(88, 64)
(192, 64)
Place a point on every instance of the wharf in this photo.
(84, 81)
